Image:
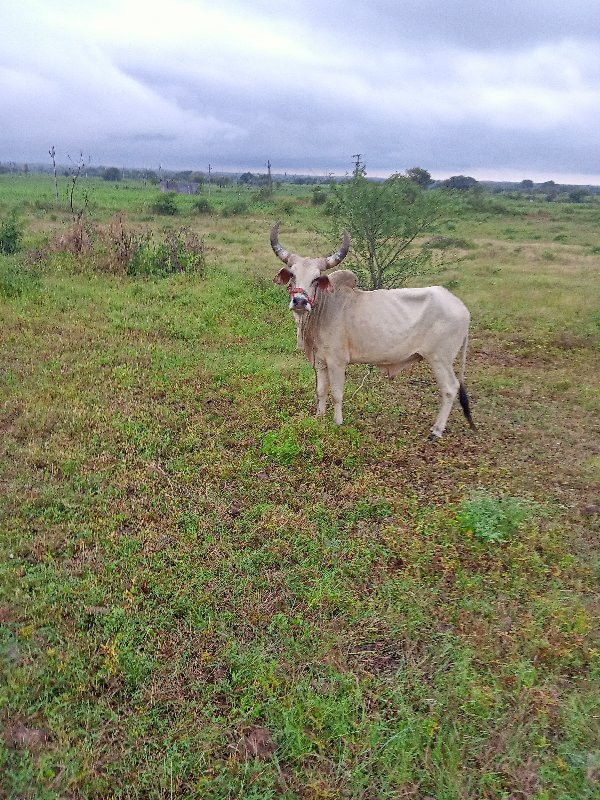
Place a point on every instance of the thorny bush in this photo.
(120, 250)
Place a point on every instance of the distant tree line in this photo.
(550, 190)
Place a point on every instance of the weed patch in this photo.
(492, 519)
(235, 208)
(17, 278)
(165, 204)
(11, 235)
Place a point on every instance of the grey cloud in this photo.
(442, 85)
(142, 137)
(474, 24)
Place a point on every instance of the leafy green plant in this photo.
(235, 209)
(285, 207)
(265, 193)
(281, 446)
(445, 242)
(16, 279)
(203, 206)
(165, 204)
(122, 245)
(295, 437)
(492, 519)
(11, 234)
(180, 251)
(319, 196)
(385, 220)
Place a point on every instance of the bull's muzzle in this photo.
(300, 300)
(299, 303)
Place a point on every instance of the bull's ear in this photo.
(283, 277)
(324, 283)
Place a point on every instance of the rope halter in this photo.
(299, 290)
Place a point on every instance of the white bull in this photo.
(338, 324)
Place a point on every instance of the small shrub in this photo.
(319, 196)
(281, 446)
(446, 242)
(122, 245)
(119, 250)
(180, 251)
(165, 204)
(492, 519)
(294, 438)
(235, 209)
(11, 235)
(203, 206)
(285, 207)
(16, 278)
(496, 208)
(451, 284)
(264, 194)
(78, 239)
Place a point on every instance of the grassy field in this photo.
(205, 592)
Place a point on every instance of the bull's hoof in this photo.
(433, 437)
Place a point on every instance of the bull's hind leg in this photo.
(322, 386)
(448, 385)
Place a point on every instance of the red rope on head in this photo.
(299, 290)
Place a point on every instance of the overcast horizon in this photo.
(457, 87)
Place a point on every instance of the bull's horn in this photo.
(335, 258)
(277, 248)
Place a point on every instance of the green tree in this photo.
(460, 182)
(385, 221)
(111, 174)
(419, 176)
(577, 195)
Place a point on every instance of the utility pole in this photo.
(52, 154)
(209, 168)
(358, 167)
(269, 178)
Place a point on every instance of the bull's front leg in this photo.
(322, 386)
(337, 377)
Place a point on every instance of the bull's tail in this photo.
(463, 397)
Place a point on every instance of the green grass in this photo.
(191, 562)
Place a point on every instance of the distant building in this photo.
(178, 186)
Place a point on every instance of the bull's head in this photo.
(303, 276)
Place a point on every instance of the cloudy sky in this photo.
(496, 89)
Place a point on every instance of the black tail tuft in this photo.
(464, 401)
